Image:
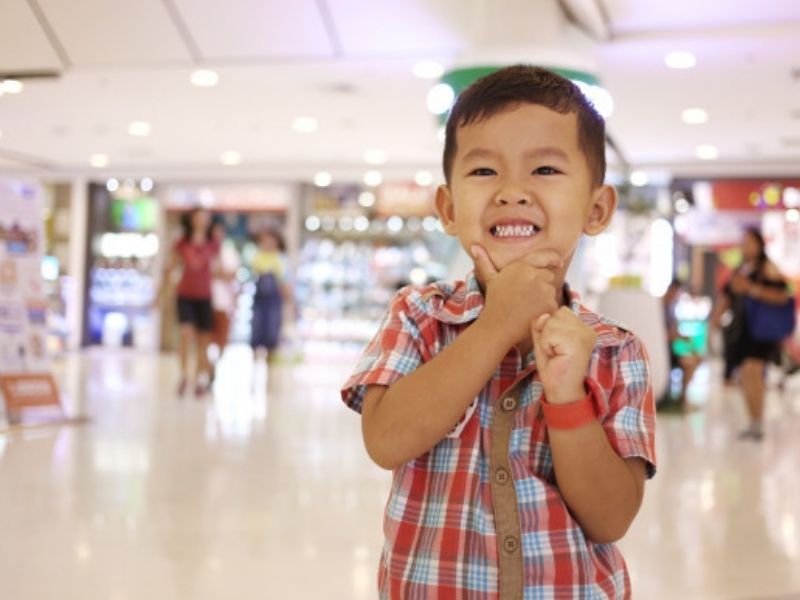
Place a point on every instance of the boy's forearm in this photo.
(602, 490)
(417, 411)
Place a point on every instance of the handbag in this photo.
(770, 322)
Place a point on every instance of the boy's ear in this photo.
(604, 205)
(445, 209)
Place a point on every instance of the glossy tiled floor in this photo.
(268, 494)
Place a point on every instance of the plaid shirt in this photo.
(440, 524)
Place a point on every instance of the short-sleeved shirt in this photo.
(442, 524)
(197, 259)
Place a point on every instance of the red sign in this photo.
(755, 194)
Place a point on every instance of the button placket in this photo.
(504, 499)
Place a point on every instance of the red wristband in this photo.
(571, 415)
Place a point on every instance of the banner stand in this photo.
(29, 392)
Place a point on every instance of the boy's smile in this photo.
(519, 183)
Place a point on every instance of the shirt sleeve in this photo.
(396, 350)
(630, 421)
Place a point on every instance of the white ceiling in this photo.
(348, 63)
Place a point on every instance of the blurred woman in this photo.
(271, 292)
(756, 277)
(196, 253)
(224, 291)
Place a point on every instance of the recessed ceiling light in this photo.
(680, 60)
(374, 156)
(204, 78)
(112, 185)
(707, 152)
(139, 128)
(638, 178)
(423, 178)
(305, 124)
(323, 179)
(230, 158)
(99, 161)
(694, 116)
(428, 69)
(12, 86)
(146, 184)
(373, 178)
(440, 98)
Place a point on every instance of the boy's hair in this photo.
(514, 85)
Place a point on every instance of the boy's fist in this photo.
(519, 293)
(562, 345)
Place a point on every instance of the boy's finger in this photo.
(537, 328)
(543, 259)
(483, 264)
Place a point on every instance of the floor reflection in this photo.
(262, 489)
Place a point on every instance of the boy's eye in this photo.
(546, 171)
(482, 172)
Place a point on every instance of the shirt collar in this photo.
(461, 302)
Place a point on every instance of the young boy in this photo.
(518, 424)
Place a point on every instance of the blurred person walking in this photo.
(687, 362)
(224, 292)
(756, 284)
(268, 267)
(196, 254)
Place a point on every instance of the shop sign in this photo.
(264, 197)
(29, 390)
(756, 194)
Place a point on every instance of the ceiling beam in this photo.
(183, 31)
(50, 34)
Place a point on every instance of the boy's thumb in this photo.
(483, 264)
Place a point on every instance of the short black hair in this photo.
(519, 84)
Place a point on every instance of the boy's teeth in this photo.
(514, 230)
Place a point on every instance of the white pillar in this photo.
(79, 212)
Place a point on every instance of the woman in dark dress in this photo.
(756, 277)
(271, 292)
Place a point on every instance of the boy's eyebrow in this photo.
(544, 152)
(548, 152)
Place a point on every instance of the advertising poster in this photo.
(25, 378)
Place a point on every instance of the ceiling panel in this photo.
(115, 32)
(23, 44)
(638, 15)
(252, 29)
(414, 27)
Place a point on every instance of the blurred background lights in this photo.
(638, 178)
(373, 178)
(694, 116)
(323, 179)
(204, 78)
(680, 60)
(366, 199)
(440, 98)
(428, 69)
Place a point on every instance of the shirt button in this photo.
(509, 403)
(510, 544)
(501, 475)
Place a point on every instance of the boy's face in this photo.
(520, 183)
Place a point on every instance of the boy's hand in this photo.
(563, 345)
(519, 293)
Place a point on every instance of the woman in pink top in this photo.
(197, 254)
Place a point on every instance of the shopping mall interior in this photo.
(309, 134)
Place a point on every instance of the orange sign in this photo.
(29, 390)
